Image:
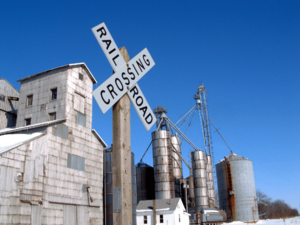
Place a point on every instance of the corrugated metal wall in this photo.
(163, 167)
(236, 188)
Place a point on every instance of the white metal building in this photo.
(51, 164)
(9, 97)
(166, 211)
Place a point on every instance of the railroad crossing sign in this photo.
(125, 78)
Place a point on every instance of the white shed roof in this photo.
(10, 141)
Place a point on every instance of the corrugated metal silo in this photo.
(210, 182)
(200, 179)
(236, 188)
(162, 162)
(177, 165)
(145, 182)
(134, 191)
(109, 188)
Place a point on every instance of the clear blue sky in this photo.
(245, 52)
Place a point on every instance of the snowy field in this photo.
(290, 221)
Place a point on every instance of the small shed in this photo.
(162, 211)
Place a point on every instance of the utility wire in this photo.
(220, 135)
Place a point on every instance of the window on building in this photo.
(80, 76)
(75, 162)
(29, 100)
(61, 130)
(2, 98)
(53, 94)
(161, 218)
(81, 119)
(79, 102)
(179, 218)
(145, 220)
(84, 188)
(27, 121)
(52, 116)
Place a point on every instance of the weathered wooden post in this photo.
(117, 92)
(122, 208)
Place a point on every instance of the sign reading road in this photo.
(141, 106)
(124, 79)
(111, 90)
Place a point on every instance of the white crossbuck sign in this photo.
(125, 78)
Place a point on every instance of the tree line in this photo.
(269, 209)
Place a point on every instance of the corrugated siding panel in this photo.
(79, 103)
(36, 215)
(69, 215)
(75, 162)
(61, 130)
(7, 90)
(81, 119)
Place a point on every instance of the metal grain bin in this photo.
(134, 191)
(163, 168)
(145, 182)
(210, 182)
(236, 188)
(177, 165)
(200, 179)
(109, 188)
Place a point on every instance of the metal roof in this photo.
(160, 204)
(99, 138)
(60, 67)
(233, 157)
(14, 130)
(9, 84)
(142, 164)
(11, 141)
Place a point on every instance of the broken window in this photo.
(29, 100)
(2, 98)
(53, 94)
(52, 116)
(27, 121)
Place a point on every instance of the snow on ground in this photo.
(290, 221)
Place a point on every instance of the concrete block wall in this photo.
(40, 87)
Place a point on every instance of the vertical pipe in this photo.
(108, 188)
(134, 191)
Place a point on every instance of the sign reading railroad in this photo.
(125, 77)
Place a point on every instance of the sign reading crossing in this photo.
(111, 90)
(124, 79)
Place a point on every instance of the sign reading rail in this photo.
(125, 78)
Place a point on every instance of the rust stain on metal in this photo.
(231, 197)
